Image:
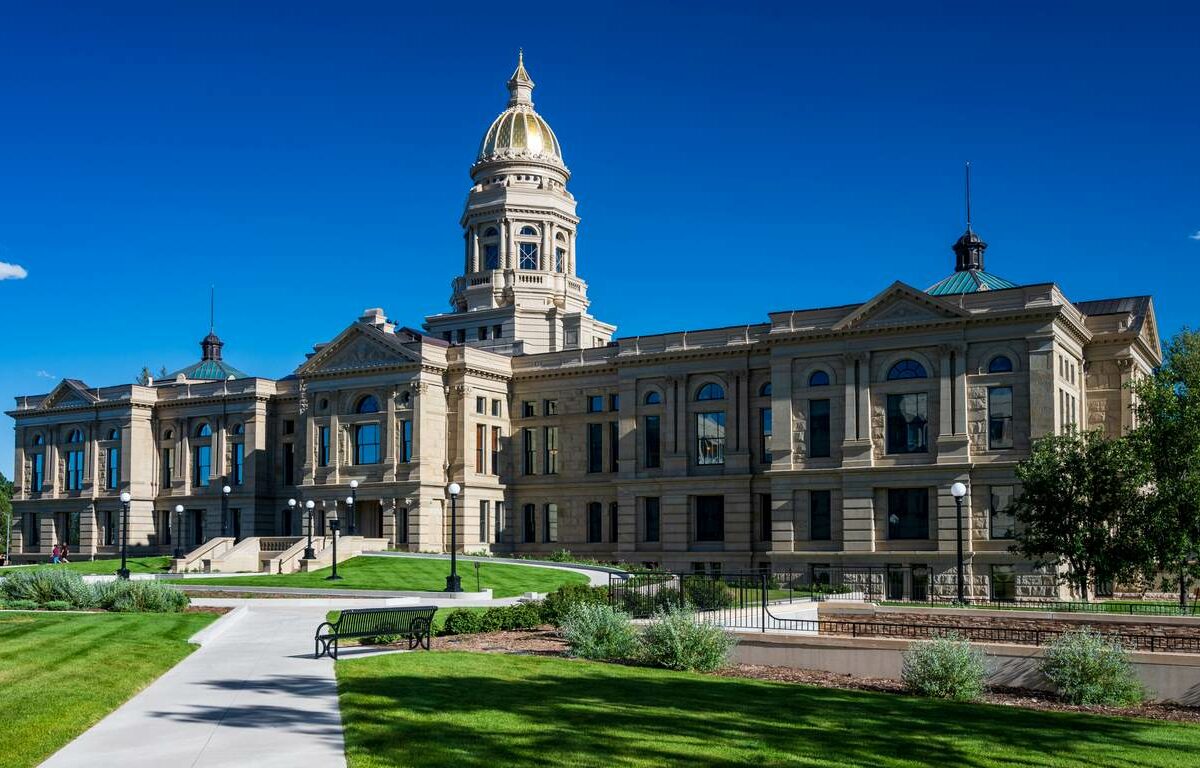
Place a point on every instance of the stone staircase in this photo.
(271, 554)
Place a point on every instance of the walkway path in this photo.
(597, 575)
(252, 695)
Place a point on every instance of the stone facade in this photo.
(821, 436)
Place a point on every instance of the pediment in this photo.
(357, 348)
(900, 305)
(68, 394)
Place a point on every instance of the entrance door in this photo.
(370, 519)
(197, 526)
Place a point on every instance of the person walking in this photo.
(55, 554)
(63, 551)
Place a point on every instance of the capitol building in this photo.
(817, 437)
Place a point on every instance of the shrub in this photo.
(648, 600)
(1088, 668)
(57, 605)
(43, 585)
(599, 632)
(462, 622)
(380, 640)
(139, 597)
(20, 605)
(944, 668)
(675, 640)
(707, 594)
(504, 617)
(559, 602)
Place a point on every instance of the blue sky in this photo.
(310, 160)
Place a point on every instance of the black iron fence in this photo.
(769, 602)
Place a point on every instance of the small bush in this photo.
(20, 605)
(57, 605)
(559, 602)
(1088, 668)
(706, 594)
(675, 640)
(462, 622)
(44, 585)
(647, 601)
(944, 668)
(139, 597)
(599, 632)
(380, 640)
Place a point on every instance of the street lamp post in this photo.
(179, 531)
(123, 573)
(308, 551)
(225, 491)
(353, 502)
(453, 583)
(333, 526)
(958, 490)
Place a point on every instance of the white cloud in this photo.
(1195, 235)
(46, 375)
(12, 271)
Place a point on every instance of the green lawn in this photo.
(61, 673)
(467, 709)
(136, 565)
(413, 573)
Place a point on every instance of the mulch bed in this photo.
(546, 642)
(207, 609)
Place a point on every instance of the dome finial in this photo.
(520, 85)
(968, 251)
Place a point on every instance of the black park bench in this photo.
(414, 622)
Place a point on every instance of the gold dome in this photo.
(520, 133)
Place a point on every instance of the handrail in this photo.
(205, 549)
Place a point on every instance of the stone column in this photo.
(953, 442)
(1043, 399)
(857, 448)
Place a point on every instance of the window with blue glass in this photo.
(765, 390)
(323, 446)
(818, 379)
(75, 460)
(528, 254)
(406, 438)
(818, 428)
(38, 473)
(1000, 364)
(366, 444)
(204, 430)
(114, 468)
(710, 391)
(906, 369)
(908, 423)
(368, 404)
(908, 513)
(710, 438)
(201, 465)
(764, 434)
(653, 398)
(595, 447)
(595, 522)
(239, 463)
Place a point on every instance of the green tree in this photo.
(1167, 438)
(6, 489)
(1079, 506)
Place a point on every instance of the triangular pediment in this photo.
(359, 347)
(899, 305)
(67, 394)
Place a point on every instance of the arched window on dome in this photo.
(765, 390)
(528, 253)
(1000, 364)
(710, 391)
(368, 404)
(490, 243)
(653, 398)
(818, 379)
(906, 369)
(560, 252)
(528, 231)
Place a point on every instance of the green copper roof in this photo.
(969, 281)
(209, 370)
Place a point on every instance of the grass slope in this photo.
(413, 573)
(465, 709)
(108, 566)
(61, 673)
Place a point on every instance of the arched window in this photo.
(491, 249)
(1000, 364)
(239, 429)
(818, 379)
(39, 440)
(906, 369)
(76, 436)
(560, 252)
(765, 390)
(710, 391)
(653, 398)
(368, 404)
(204, 430)
(168, 434)
(528, 231)
(491, 232)
(114, 434)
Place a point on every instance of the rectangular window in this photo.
(496, 408)
(495, 448)
(1003, 523)
(201, 465)
(33, 531)
(482, 332)
(38, 472)
(764, 434)
(595, 521)
(560, 258)
(460, 335)
(908, 423)
(168, 466)
(497, 331)
(653, 442)
(366, 444)
(485, 513)
(1000, 417)
(527, 409)
(480, 440)
(764, 516)
(550, 524)
(549, 407)
(74, 470)
(402, 525)
(322, 446)
(1004, 583)
(289, 464)
(239, 463)
(550, 446)
(595, 403)
(529, 524)
(527, 448)
(614, 522)
(289, 427)
(406, 440)
(818, 428)
(481, 405)
(498, 526)
(108, 527)
(491, 256)
(446, 336)
(820, 515)
(710, 518)
(651, 522)
(528, 254)
(710, 438)
(614, 402)
(614, 446)
(114, 468)
(595, 447)
(908, 513)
